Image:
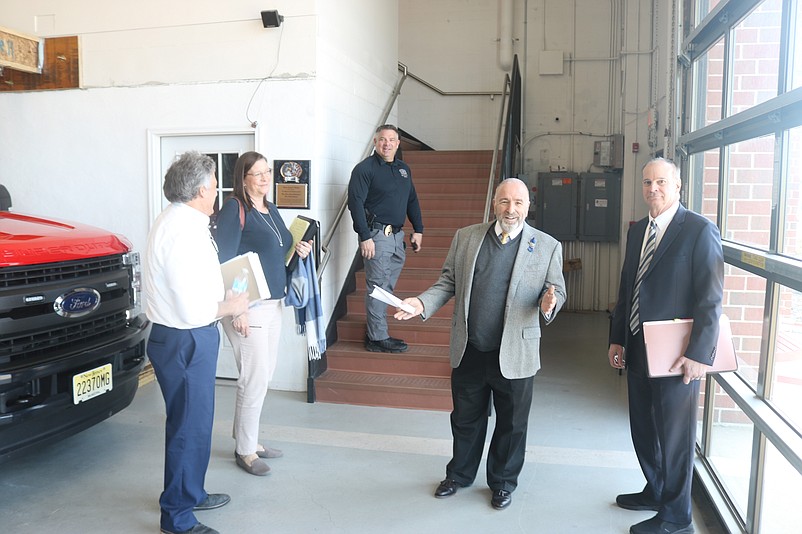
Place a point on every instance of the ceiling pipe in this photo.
(505, 40)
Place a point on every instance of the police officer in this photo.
(380, 197)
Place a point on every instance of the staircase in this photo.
(451, 187)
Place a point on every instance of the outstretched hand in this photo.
(549, 301)
(415, 302)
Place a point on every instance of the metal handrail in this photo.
(333, 228)
(403, 68)
(492, 178)
(324, 247)
(511, 145)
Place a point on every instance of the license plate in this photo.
(90, 384)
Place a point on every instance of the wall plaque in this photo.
(21, 52)
(291, 182)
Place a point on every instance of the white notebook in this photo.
(667, 340)
(249, 264)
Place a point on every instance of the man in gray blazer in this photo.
(503, 275)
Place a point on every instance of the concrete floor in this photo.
(354, 469)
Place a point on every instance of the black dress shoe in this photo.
(213, 500)
(656, 525)
(199, 528)
(637, 501)
(385, 345)
(501, 499)
(447, 488)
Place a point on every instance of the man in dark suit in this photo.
(673, 268)
(503, 276)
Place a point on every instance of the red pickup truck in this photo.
(72, 335)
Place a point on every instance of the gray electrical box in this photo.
(557, 204)
(599, 207)
(579, 207)
(609, 153)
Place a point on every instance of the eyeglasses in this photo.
(268, 172)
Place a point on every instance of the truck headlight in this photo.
(131, 260)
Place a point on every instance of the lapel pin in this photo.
(531, 246)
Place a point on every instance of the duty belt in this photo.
(388, 229)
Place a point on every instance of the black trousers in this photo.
(471, 385)
(662, 419)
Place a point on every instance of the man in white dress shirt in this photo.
(185, 298)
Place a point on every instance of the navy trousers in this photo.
(472, 383)
(185, 362)
(662, 419)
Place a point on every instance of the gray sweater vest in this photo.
(491, 280)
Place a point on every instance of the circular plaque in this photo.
(291, 171)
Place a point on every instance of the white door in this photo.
(225, 149)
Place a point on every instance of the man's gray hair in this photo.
(667, 162)
(187, 175)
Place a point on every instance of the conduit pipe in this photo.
(505, 35)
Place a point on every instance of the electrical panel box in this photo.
(609, 152)
(579, 207)
(599, 207)
(557, 204)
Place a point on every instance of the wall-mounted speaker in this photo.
(271, 19)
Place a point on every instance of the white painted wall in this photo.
(356, 73)
(451, 44)
(605, 88)
(196, 66)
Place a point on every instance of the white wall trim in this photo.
(154, 138)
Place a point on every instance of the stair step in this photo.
(356, 303)
(435, 218)
(419, 360)
(415, 157)
(451, 202)
(435, 237)
(371, 389)
(451, 173)
(411, 280)
(427, 258)
(452, 188)
(437, 186)
(434, 331)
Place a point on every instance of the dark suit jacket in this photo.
(684, 281)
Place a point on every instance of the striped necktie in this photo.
(505, 237)
(645, 260)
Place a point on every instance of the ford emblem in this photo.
(77, 303)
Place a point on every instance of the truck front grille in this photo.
(52, 272)
(39, 346)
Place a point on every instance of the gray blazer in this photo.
(519, 354)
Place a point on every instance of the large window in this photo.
(742, 160)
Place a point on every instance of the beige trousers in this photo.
(256, 357)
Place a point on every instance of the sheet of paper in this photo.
(388, 298)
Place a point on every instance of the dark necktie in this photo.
(645, 260)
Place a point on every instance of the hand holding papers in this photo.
(666, 341)
(388, 298)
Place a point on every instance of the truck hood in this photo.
(26, 240)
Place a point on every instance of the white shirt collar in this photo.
(664, 218)
(512, 234)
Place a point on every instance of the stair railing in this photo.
(510, 143)
(315, 367)
(333, 228)
(335, 225)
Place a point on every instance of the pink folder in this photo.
(666, 341)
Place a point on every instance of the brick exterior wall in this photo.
(748, 210)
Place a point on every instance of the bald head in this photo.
(511, 204)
